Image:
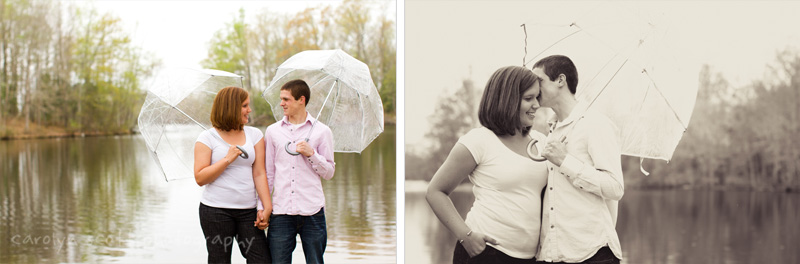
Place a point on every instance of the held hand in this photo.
(304, 148)
(555, 151)
(233, 154)
(262, 220)
(476, 243)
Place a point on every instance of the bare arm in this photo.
(204, 171)
(262, 188)
(458, 165)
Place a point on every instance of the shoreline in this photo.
(58, 132)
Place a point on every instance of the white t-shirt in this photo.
(507, 189)
(234, 188)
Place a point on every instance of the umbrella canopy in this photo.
(627, 70)
(176, 110)
(343, 96)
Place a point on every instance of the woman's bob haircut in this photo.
(499, 108)
(226, 113)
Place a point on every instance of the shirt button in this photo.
(552, 226)
(551, 188)
(551, 168)
(551, 208)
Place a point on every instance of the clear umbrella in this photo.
(343, 96)
(627, 70)
(176, 110)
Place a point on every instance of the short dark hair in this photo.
(298, 88)
(499, 108)
(226, 110)
(559, 64)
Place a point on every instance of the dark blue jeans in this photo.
(283, 231)
(221, 226)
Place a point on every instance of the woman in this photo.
(233, 185)
(507, 184)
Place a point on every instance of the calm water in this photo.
(661, 226)
(102, 199)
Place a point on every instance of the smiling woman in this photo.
(503, 223)
(234, 185)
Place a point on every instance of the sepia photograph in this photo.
(601, 132)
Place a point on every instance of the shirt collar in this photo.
(309, 120)
(577, 112)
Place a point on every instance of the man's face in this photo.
(290, 105)
(548, 88)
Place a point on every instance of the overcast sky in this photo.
(445, 44)
(178, 32)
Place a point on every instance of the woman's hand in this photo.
(475, 243)
(233, 153)
(262, 219)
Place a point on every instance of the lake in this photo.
(103, 199)
(654, 226)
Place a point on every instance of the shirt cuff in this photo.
(314, 159)
(571, 167)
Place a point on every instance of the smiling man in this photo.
(295, 180)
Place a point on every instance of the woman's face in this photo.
(246, 110)
(529, 104)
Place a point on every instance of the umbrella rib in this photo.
(554, 43)
(665, 100)
(335, 99)
(201, 125)
(320, 110)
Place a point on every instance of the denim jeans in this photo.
(221, 226)
(283, 231)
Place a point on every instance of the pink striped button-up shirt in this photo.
(296, 181)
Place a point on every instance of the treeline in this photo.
(254, 48)
(75, 69)
(738, 138)
(68, 67)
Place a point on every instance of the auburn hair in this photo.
(227, 109)
(499, 107)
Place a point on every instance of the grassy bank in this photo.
(15, 129)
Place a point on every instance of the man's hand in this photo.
(304, 148)
(555, 151)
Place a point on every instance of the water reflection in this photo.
(101, 199)
(655, 226)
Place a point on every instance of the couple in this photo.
(236, 186)
(514, 219)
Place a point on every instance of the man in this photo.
(298, 203)
(585, 173)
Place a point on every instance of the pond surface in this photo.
(655, 226)
(103, 199)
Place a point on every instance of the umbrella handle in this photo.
(244, 154)
(293, 153)
(534, 158)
